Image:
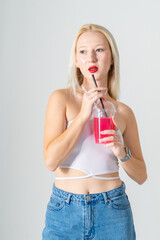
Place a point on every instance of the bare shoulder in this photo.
(60, 94)
(60, 97)
(125, 110)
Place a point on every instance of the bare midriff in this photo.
(86, 185)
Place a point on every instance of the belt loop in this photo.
(68, 198)
(105, 197)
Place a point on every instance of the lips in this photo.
(93, 69)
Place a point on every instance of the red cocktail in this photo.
(101, 124)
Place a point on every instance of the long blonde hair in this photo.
(75, 77)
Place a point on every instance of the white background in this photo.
(35, 42)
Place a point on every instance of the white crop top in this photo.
(89, 157)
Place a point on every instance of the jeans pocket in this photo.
(56, 203)
(120, 202)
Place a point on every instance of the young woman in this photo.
(88, 199)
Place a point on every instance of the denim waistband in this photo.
(69, 196)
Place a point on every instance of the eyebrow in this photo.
(95, 46)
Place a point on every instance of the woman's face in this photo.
(93, 50)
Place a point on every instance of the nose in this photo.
(92, 56)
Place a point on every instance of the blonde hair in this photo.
(75, 77)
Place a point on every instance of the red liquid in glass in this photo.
(101, 124)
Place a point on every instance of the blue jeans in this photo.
(98, 216)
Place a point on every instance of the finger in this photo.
(111, 138)
(96, 94)
(109, 131)
(95, 98)
(112, 144)
(95, 89)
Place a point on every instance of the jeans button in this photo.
(88, 198)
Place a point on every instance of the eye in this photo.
(82, 51)
(99, 50)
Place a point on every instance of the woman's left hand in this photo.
(116, 145)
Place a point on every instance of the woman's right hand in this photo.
(88, 100)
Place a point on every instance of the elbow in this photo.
(143, 180)
(49, 166)
(49, 163)
(143, 177)
(52, 160)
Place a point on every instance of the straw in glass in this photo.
(100, 98)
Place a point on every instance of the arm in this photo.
(135, 167)
(58, 142)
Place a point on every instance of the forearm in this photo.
(60, 148)
(136, 169)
